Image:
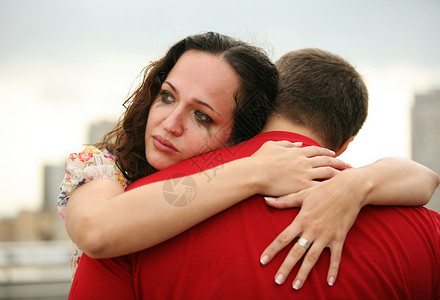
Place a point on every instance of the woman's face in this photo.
(193, 111)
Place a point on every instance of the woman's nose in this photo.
(173, 123)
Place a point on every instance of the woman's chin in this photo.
(160, 163)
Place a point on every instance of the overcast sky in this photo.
(64, 64)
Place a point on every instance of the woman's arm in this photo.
(330, 208)
(104, 221)
(397, 181)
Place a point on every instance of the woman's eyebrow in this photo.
(172, 87)
(200, 102)
(207, 106)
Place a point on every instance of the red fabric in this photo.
(390, 253)
(103, 279)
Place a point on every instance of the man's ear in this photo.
(344, 146)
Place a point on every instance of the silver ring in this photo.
(303, 242)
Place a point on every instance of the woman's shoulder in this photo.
(89, 164)
(91, 154)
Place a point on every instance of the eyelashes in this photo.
(202, 117)
(166, 96)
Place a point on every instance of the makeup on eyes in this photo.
(197, 101)
(200, 115)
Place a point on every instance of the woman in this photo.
(182, 109)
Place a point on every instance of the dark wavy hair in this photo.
(254, 100)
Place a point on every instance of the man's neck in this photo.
(278, 123)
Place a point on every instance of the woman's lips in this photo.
(163, 144)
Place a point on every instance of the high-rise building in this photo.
(425, 140)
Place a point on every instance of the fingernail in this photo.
(297, 144)
(331, 280)
(269, 199)
(297, 284)
(279, 279)
(264, 259)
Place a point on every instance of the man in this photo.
(390, 252)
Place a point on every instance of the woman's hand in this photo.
(328, 211)
(283, 168)
(330, 208)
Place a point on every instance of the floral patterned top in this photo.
(80, 168)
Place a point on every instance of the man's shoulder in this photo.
(406, 220)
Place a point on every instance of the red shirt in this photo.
(390, 252)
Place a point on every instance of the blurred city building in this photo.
(98, 129)
(425, 138)
(34, 246)
(46, 224)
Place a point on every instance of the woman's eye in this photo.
(202, 117)
(166, 96)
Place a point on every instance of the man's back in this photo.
(390, 253)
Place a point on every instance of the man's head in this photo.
(322, 92)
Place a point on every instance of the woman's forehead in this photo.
(205, 77)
